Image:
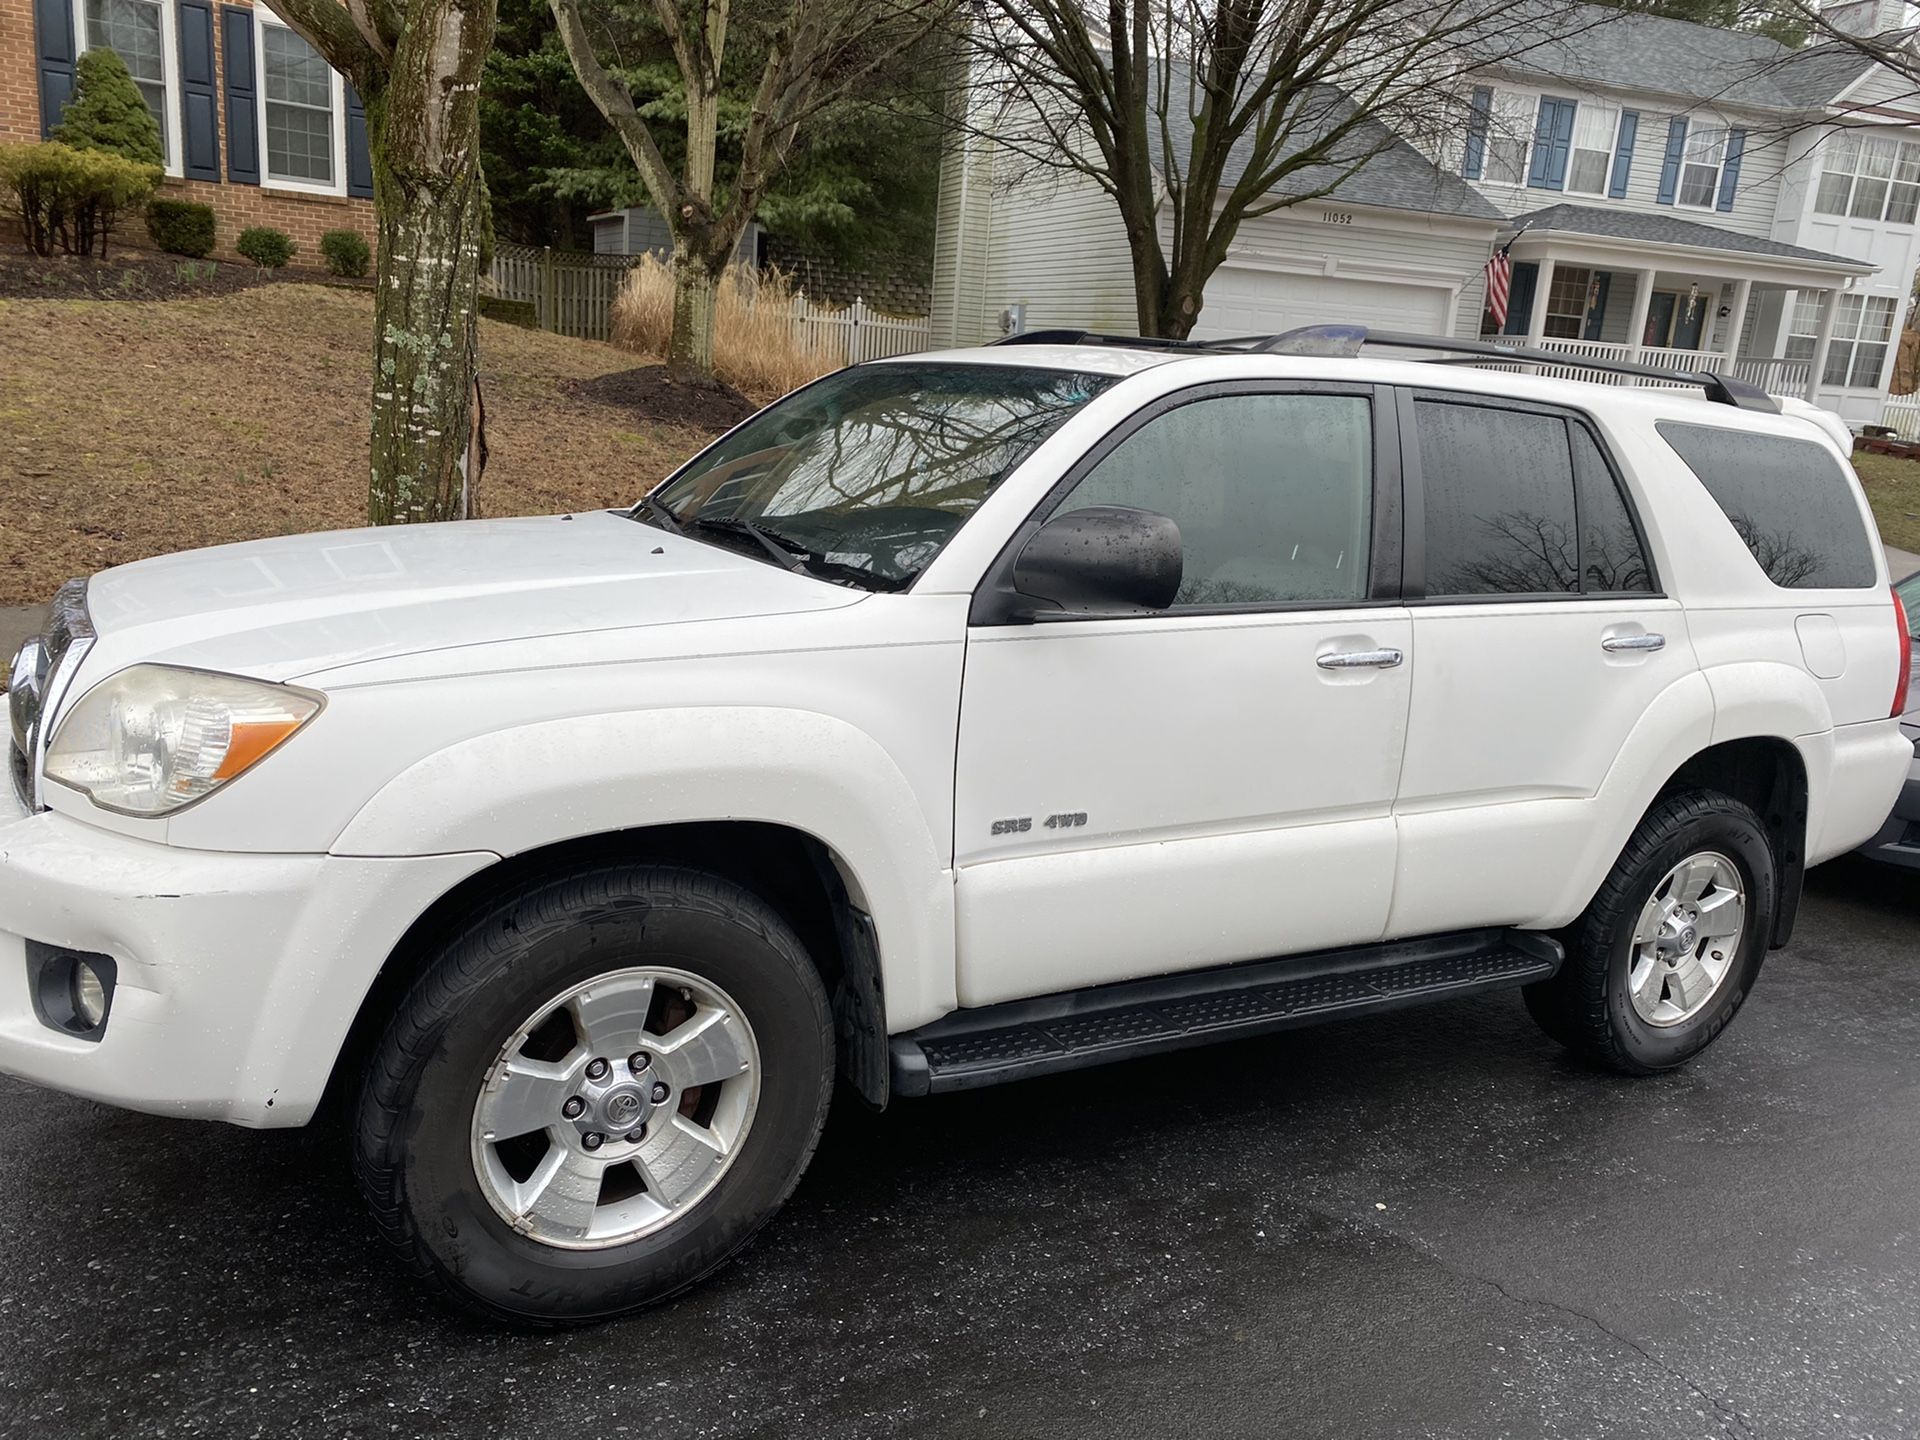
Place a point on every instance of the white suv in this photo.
(959, 718)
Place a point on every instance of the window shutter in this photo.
(1477, 131)
(1596, 316)
(53, 53)
(1670, 167)
(243, 111)
(1730, 172)
(1552, 143)
(1623, 154)
(1520, 297)
(359, 158)
(199, 109)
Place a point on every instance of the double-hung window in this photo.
(1705, 153)
(302, 111)
(1594, 129)
(1869, 177)
(1509, 137)
(141, 33)
(1861, 333)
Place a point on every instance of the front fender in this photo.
(530, 786)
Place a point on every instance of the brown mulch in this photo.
(136, 430)
(712, 406)
(125, 276)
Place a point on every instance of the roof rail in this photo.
(1348, 340)
(1088, 337)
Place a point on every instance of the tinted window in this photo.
(1271, 492)
(1612, 560)
(1499, 499)
(1789, 500)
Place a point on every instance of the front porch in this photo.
(1681, 295)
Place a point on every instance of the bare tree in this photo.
(416, 65)
(817, 52)
(1196, 116)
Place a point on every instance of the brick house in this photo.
(253, 122)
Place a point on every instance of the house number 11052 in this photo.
(1337, 217)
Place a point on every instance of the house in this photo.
(639, 230)
(1670, 193)
(253, 122)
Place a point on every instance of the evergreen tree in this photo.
(108, 112)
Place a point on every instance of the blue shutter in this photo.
(1623, 154)
(53, 55)
(1597, 316)
(199, 108)
(1730, 172)
(1477, 131)
(1520, 297)
(243, 111)
(1552, 144)
(1670, 167)
(359, 158)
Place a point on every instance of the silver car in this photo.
(1898, 842)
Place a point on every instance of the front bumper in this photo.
(238, 975)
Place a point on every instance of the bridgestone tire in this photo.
(413, 1124)
(1587, 1006)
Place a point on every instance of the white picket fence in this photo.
(573, 294)
(1901, 414)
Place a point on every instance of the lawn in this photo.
(130, 429)
(1893, 489)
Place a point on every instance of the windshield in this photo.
(865, 475)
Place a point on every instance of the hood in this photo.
(280, 609)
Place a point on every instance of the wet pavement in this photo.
(1432, 1224)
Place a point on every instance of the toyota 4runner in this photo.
(957, 719)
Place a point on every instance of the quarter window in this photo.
(1272, 493)
(1789, 500)
(1706, 152)
(298, 93)
(1869, 177)
(1861, 333)
(1612, 559)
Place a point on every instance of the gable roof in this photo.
(1648, 229)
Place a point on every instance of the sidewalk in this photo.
(16, 624)
(1901, 563)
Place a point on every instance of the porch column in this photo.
(1642, 298)
(1830, 300)
(1736, 322)
(1542, 284)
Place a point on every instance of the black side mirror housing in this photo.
(1097, 562)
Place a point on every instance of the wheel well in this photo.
(1767, 775)
(789, 869)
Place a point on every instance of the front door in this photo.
(1689, 321)
(1541, 642)
(1213, 783)
(1660, 308)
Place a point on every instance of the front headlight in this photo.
(154, 738)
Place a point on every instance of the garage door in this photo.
(1241, 301)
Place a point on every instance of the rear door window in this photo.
(1499, 499)
(1789, 500)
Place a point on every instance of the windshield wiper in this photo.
(668, 521)
(797, 555)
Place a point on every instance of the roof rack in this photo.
(1346, 341)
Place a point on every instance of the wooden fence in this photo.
(573, 294)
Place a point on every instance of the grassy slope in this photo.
(1893, 489)
(134, 429)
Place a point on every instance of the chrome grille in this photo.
(42, 672)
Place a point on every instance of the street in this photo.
(1429, 1225)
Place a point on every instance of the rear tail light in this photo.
(1906, 657)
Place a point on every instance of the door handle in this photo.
(1647, 641)
(1360, 660)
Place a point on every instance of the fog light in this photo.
(89, 995)
(72, 989)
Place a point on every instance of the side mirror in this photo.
(1101, 561)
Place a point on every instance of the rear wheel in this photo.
(1667, 951)
(597, 1095)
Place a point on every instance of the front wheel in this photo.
(1669, 948)
(597, 1095)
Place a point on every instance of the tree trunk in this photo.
(696, 287)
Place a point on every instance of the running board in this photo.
(1023, 1038)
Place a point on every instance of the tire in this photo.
(651, 952)
(1592, 1005)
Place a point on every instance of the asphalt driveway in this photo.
(1429, 1225)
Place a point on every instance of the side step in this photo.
(1042, 1036)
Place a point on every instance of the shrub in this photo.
(267, 247)
(181, 227)
(347, 253)
(108, 112)
(755, 348)
(69, 197)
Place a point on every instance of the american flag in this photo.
(1499, 284)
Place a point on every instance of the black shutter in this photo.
(1520, 297)
(53, 54)
(1730, 172)
(1477, 121)
(1623, 154)
(1596, 317)
(1670, 165)
(243, 112)
(359, 158)
(199, 109)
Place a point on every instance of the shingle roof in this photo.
(1666, 230)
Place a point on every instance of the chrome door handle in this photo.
(1360, 660)
(1634, 642)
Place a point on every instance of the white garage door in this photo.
(1242, 301)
